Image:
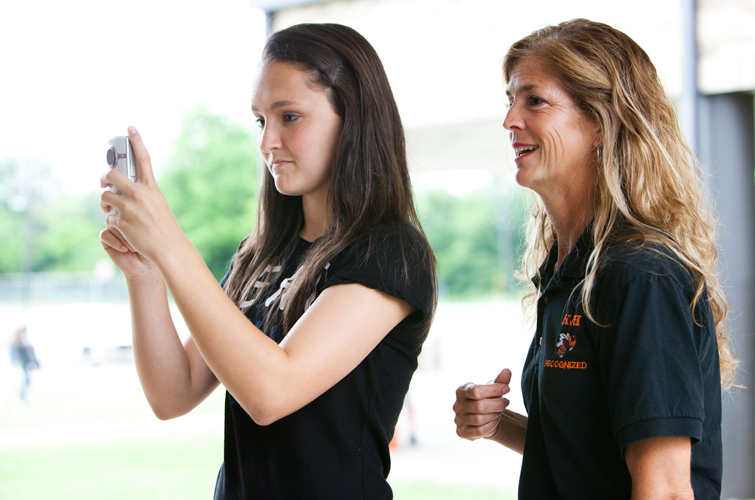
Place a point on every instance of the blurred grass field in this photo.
(156, 467)
(87, 433)
(176, 466)
(60, 445)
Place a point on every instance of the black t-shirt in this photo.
(650, 370)
(337, 445)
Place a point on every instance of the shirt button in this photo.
(540, 341)
(545, 300)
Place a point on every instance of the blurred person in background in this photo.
(622, 383)
(315, 330)
(22, 355)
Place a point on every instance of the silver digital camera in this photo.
(121, 157)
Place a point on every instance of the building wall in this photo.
(726, 41)
(443, 58)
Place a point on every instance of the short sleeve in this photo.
(649, 348)
(393, 260)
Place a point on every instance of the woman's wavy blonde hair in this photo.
(649, 181)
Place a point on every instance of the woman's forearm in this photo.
(511, 431)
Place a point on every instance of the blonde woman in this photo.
(622, 382)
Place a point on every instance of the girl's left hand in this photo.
(144, 218)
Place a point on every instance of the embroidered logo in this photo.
(566, 342)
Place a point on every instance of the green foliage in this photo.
(45, 231)
(211, 185)
(476, 240)
(67, 234)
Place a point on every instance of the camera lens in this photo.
(111, 157)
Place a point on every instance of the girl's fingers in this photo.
(104, 183)
(109, 240)
(105, 203)
(115, 239)
(121, 238)
(144, 166)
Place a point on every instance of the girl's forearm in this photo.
(162, 363)
(242, 358)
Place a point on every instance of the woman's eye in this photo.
(289, 117)
(260, 122)
(534, 100)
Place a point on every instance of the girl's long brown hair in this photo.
(370, 182)
(649, 182)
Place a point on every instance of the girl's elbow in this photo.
(165, 411)
(266, 401)
(163, 415)
(264, 410)
(264, 415)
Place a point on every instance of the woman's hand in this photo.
(481, 413)
(144, 222)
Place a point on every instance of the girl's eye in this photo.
(260, 122)
(289, 117)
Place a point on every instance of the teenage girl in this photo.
(315, 330)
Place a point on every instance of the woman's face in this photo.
(299, 130)
(554, 143)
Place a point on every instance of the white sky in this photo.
(75, 73)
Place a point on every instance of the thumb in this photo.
(504, 377)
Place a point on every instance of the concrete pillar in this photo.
(726, 149)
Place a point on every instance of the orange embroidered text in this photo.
(565, 365)
(571, 319)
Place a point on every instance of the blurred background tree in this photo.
(211, 185)
(476, 237)
(40, 229)
(211, 182)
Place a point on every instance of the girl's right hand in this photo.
(123, 255)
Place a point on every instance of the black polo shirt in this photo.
(650, 369)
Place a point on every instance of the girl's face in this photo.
(299, 130)
(554, 142)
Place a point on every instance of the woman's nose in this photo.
(513, 118)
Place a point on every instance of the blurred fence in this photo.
(60, 287)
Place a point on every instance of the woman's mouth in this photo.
(522, 150)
